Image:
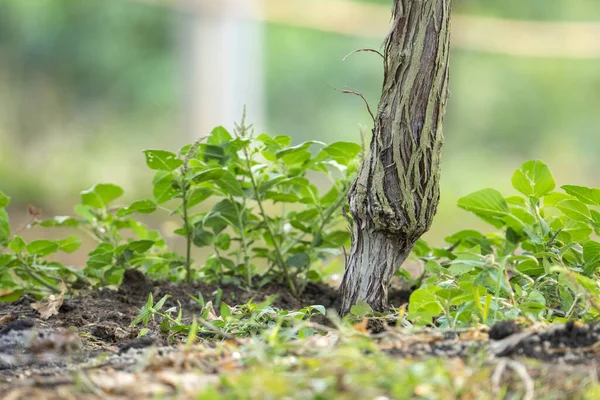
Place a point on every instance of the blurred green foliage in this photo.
(95, 82)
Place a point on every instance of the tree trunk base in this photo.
(370, 268)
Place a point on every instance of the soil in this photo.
(93, 330)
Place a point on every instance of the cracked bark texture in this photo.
(396, 193)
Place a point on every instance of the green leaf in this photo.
(162, 160)
(100, 256)
(552, 199)
(69, 244)
(591, 256)
(533, 179)
(4, 200)
(584, 194)
(140, 206)
(361, 309)
(163, 189)
(223, 241)
(140, 246)
(202, 237)
(298, 154)
(485, 203)
(212, 152)
(210, 174)
(42, 247)
(158, 306)
(423, 304)
(575, 209)
(298, 260)
(230, 184)
(17, 244)
(4, 226)
(225, 310)
(224, 213)
(197, 196)
(342, 152)
(219, 136)
(579, 231)
(100, 195)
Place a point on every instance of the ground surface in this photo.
(89, 350)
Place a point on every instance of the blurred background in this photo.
(85, 86)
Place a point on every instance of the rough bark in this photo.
(396, 193)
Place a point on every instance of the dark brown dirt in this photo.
(106, 314)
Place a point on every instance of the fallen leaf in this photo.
(362, 326)
(7, 319)
(211, 316)
(48, 307)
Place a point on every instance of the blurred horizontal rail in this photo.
(578, 40)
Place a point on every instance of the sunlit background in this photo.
(85, 86)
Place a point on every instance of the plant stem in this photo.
(278, 253)
(39, 280)
(188, 233)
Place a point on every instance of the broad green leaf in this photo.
(272, 145)
(17, 244)
(336, 239)
(361, 309)
(11, 295)
(533, 179)
(100, 256)
(552, 199)
(342, 152)
(42, 247)
(575, 209)
(100, 195)
(218, 136)
(69, 244)
(463, 235)
(4, 226)
(584, 194)
(140, 206)
(197, 196)
(466, 261)
(296, 154)
(530, 267)
(424, 304)
(486, 202)
(140, 246)
(225, 310)
(591, 256)
(210, 174)
(202, 237)
(298, 260)
(4, 200)
(163, 189)
(230, 184)
(434, 267)
(222, 214)
(162, 160)
(579, 231)
(211, 152)
(223, 241)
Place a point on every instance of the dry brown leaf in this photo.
(7, 319)
(50, 306)
(212, 315)
(362, 326)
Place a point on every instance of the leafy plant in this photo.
(24, 267)
(542, 264)
(265, 211)
(238, 321)
(245, 197)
